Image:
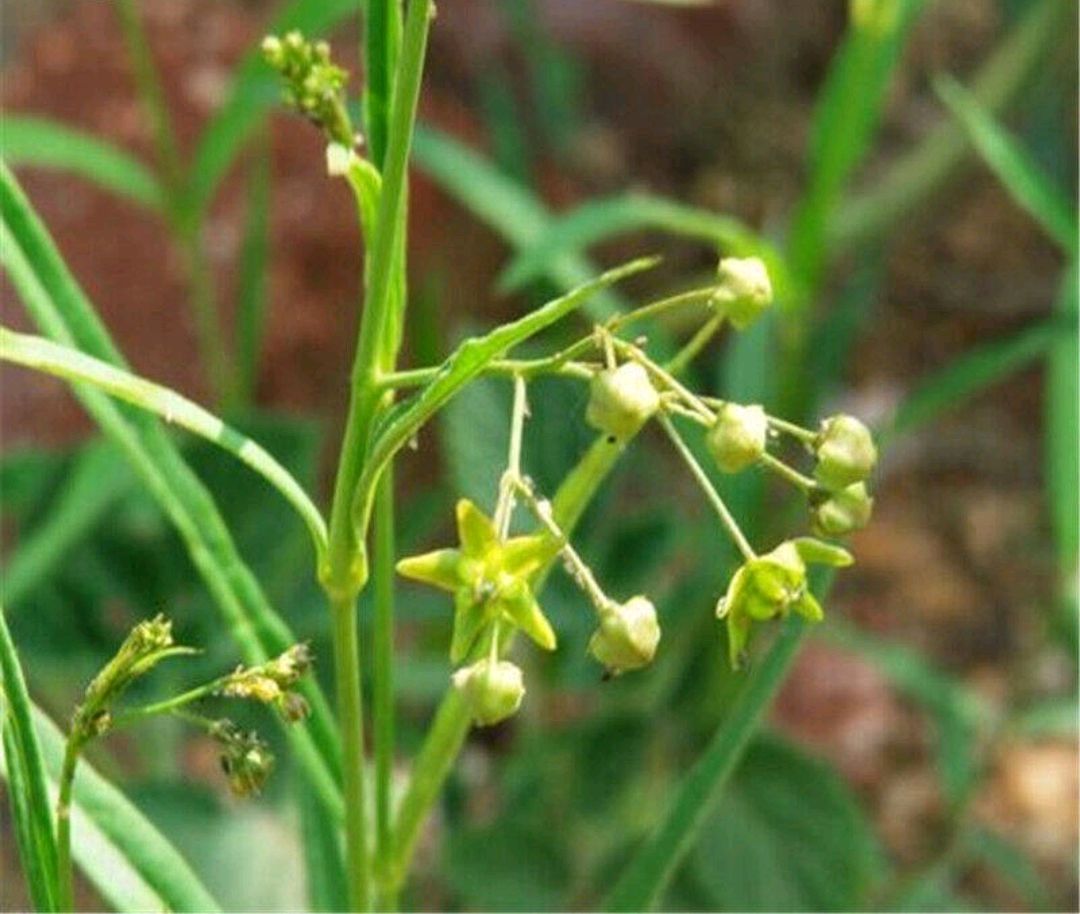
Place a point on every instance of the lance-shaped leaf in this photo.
(71, 365)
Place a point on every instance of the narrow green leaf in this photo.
(37, 142)
(917, 175)
(324, 865)
(59, 307)
(122, 853)
(649, 872)
(598, 220)
(1062, 432)
(253, 93)
(846, 115)
(93, 485)
(505, 206)
(254, 273)
(967, 376)
(22, 755)
(64, 362)
(1029, 187)
(464, 364)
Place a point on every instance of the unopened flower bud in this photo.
(628, 635)
(743, 291)
(844, 511)
(492, 691)
(845, 452)
(621, 400)
(737, 438)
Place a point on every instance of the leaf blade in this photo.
(38, 142)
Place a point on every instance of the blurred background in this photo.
(923, 753)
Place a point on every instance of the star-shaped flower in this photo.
(489, 579)
(772, 585)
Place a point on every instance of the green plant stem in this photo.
(345, 571)
(64, 874)
(382, 37)
(726, 517)
(383, 683)
(781, 469)
(351, 722)
(654, 864)
(696, 343)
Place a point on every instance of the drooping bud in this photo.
(737, 438)
(743, 291)
(245, 759)
(293, 707)
(842, 512)
(628, 635)
(845, 452)
(621, 400)
(492, 691)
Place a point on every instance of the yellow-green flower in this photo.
(489, 579)
(772, 585)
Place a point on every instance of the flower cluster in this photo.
(492, 575)
(314, 85)
(272, 683)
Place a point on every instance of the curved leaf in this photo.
(37, 142)
(70, 364)
(30, 801)
(598, 220)
(129, 861)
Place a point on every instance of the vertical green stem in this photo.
(64, 874)
(346, 568)
(383, 683)
(382, 36)
(351, 717)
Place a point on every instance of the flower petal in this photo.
(441, 568)
(475, 529)
(519, 604)
(469, 618)
(522, 556)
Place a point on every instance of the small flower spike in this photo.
(772, 585)
(621, 400)
(489, 579)
(245, 759)
(314, 85)
(628, 635)
(738, 436)
(743, 291)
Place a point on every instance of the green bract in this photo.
(845, 452)
(737, 437)
(621, 400)
(627, 636)
(489, 579)
(492, 690)
(772, 585)
(843, 511)
(744, 290)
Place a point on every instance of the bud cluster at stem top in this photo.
(314, 85)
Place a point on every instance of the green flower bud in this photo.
(621, 400)
(492, 691)
(744, 290)
(627, 636)
(737, 438)
(845, 451)
(843, 511)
